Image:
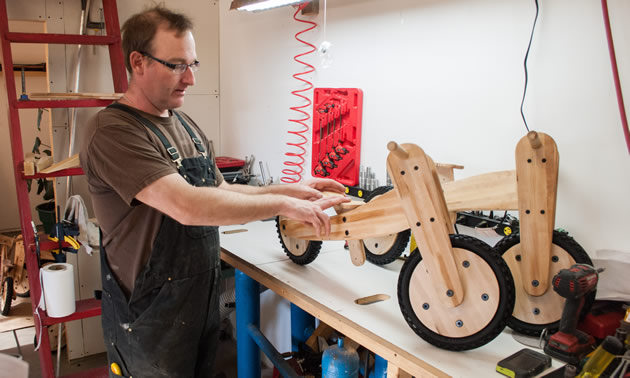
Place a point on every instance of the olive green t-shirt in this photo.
(120, 156)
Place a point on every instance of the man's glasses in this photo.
(178, 68)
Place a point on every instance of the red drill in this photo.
(569, 344)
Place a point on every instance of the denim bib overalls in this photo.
(169, 325)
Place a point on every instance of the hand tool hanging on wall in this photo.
(340, 149)
(327, 154)
(325, 161)
(319, 168)
(333, 153)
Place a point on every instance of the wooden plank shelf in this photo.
(61, 173)
(62, 39)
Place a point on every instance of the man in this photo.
(158, 196)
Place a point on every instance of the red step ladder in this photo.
(84, 308)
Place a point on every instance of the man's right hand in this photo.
(312, 212)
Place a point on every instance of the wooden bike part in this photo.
(543, 309)
(488, 191)
(449, 217)
(375, 218)
(355, 246)
(537, 163)
(422, 202)
(357, 252)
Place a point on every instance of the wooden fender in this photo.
(537, 163)
(422, 201)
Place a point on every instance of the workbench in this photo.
(327, 289)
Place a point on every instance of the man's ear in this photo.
(136, 60)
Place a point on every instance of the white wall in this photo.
(448, 76)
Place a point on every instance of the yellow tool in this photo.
(116, 369)
(68, 239)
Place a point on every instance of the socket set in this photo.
(336, 148)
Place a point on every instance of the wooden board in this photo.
(540, 309)
(328, 289)
(424, 207)
(357, 252)
(488, 191)
(71, 162)
(358, 223)
(71, 96)
(537, 163)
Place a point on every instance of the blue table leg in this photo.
(247, 312)
(302, 326)
(380, 367)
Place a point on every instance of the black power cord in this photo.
(531, 37)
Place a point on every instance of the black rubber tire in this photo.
(499, 320)
(312, 249)
(17, 288)
(7, 296)
(576, 251)
(399, 244)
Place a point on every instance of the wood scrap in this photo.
(71, 162)
(44, 162)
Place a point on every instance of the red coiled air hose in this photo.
(294, 171)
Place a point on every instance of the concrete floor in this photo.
(226, 360)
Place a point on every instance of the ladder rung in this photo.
(68, 39)
(69, 96)
(85, 103)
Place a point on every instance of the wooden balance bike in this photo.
(457, 293)
(479, 296)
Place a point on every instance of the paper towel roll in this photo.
(58, 287)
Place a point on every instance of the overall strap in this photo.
(172, 151)
(193, 137)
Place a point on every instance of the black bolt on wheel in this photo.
(300, 251)
(534, 314)
(479, 318)
(385, 249)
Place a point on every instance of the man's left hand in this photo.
(325, 185)
(310, 189)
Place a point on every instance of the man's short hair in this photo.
(138, 31)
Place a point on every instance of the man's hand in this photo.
(325, 185)
(309, 190)
(312, 212)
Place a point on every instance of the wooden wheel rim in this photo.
(480, 304)
(543, 309)
(380, 245)
(22, 286)
(296, 247)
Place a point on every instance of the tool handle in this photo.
(571, 314)
(397, 150)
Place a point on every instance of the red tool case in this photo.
(225, 163)
(336, 152)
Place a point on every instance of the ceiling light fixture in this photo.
(260, 5)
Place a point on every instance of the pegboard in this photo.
(336, 153)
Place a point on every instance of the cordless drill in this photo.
(570, 344)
